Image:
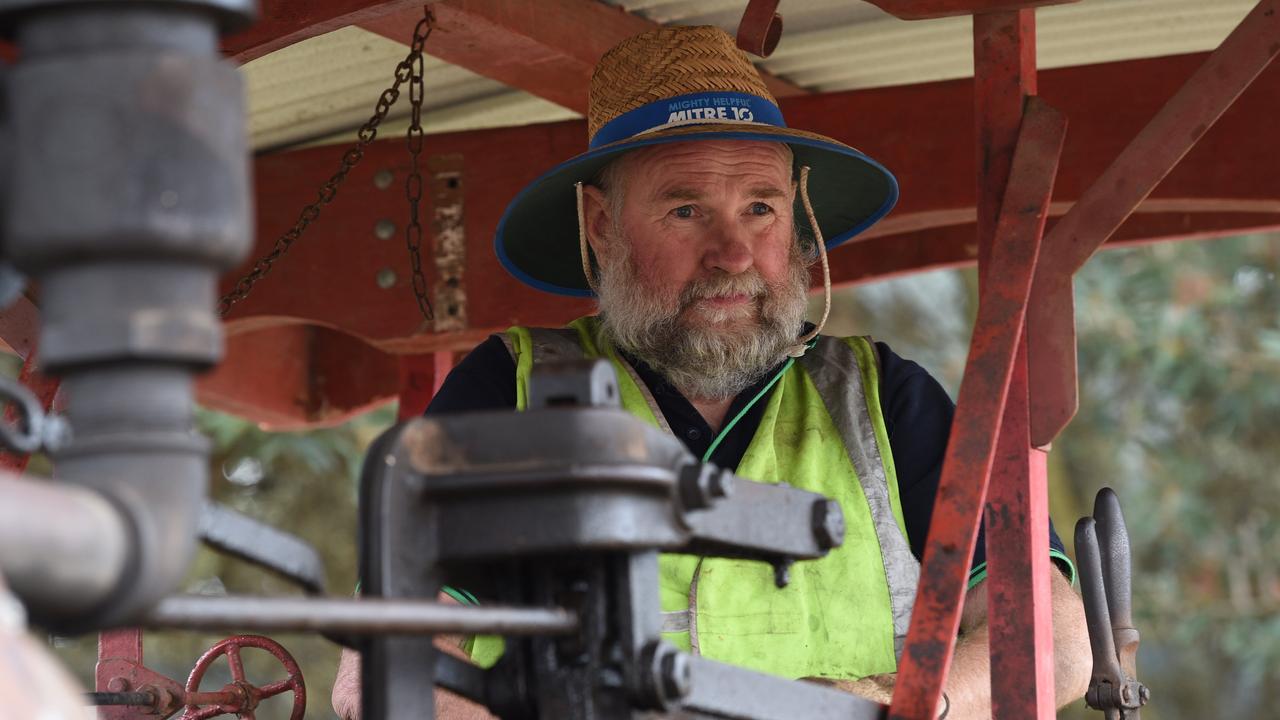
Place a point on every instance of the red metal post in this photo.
(1018, 599)
(971, 449)
(420, 379)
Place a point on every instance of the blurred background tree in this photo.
(1179, 409)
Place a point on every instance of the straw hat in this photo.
(676, 84)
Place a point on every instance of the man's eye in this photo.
(760, 208)
(684, 211)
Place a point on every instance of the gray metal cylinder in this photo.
(128, 193)
(63, 546)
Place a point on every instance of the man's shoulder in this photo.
(483, 380)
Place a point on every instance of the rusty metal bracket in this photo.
(449, 233)
(760, 28)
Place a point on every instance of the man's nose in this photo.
(728, 250)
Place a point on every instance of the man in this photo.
(696, 228)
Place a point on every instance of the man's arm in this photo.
(969, 682)
(968, 685)
(346, 686)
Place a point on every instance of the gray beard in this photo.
(703, 361)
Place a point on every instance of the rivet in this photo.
(383, 179)
(384, 229)
(386, 278)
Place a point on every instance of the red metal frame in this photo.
(979, 415)
(1019, 385)
(549, 47)
(997, 414)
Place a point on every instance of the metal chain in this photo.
(406, 71)
(413, 183)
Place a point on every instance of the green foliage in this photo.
(1179, 361)
(1180, 400)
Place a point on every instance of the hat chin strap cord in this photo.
(802, 344)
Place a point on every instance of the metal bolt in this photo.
(677, 675)
(383, 179)
(118, 684)
(1144, 694)
(386, 278)
(703, 484)
(666, 675)
(384, 229)
(828, 524)
(782, 573)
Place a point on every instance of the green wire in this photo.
(707, 456)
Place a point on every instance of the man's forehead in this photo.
(683, 170)
(720, 151)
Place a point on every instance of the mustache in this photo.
(714, 286)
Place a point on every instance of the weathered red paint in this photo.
(420, 379)
(925, 9)
(1005, 76)
(241, 696)
(282, 23)
(1019, 605)
(1004, 59)
(548, 47)
(296, 376)
(979, 414)
(330, 275)
(20, 326)
(120, 669)
(1144, 163)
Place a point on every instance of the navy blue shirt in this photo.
(917, 415)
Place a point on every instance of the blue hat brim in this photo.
(537, 238)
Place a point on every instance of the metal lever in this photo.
(1102, 549)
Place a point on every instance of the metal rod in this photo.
(363, 616)
(120, 698)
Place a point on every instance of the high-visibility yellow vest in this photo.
(844, 616)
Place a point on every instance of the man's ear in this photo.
(595, 209)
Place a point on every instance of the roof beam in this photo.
(547, 48)
(282, 23)
(926, 9)
(923, 132)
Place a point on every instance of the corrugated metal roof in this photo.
(323, 88)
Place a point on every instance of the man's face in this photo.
(701, 274)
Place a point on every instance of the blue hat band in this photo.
(693, 109)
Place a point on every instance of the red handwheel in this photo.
(241, 697)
